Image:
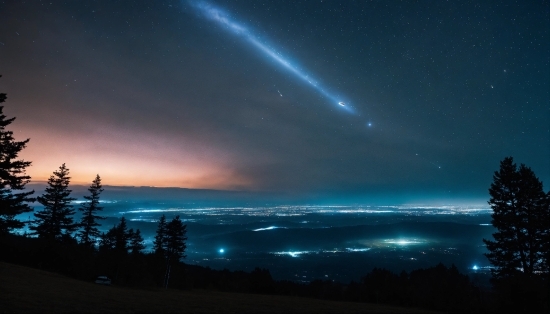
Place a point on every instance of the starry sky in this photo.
(332, 99)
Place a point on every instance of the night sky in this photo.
(244, 95)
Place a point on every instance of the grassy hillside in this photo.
(24, 289)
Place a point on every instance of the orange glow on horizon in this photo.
(129, 159)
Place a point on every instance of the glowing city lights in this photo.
(333, 251)
(403, 242)
(268, 228)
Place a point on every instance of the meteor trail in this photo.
(223, 19)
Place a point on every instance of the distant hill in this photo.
(24, 289)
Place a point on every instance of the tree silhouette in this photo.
(122, 240)
(546, 233)
(107, 240)
(57, 217)
(12, 177)
(520, 212)
(121, 236)
(136, 244)
(174, 245)
(160, 237)
(175, 239)
(88, 222)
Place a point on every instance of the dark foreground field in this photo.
(25, 289)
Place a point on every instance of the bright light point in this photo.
(221, 251)
(369, 124)
(341, 103)
(475, 267)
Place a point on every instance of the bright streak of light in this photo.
(268, 228)
(223, 19)
(403, 242)
(357, 250)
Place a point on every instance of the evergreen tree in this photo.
(57, 216)
(121, 239)
(12, 177)
(160, 237)
(116, 239)
(520, 212)
(175, 239)
(174, 245)
(107, 240)
(121, 236)
(136, 244)
(88, 222)
(546, 233)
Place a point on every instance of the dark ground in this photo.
(24, 289)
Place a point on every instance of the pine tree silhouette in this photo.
(56, 220)
(136, 244)
(520, 212)
(175, 239)
(88, 222)
(160, 237)
(12, 177)
(173, 244)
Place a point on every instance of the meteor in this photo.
(224, 20)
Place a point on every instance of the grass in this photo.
(24, 289)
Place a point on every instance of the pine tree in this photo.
(120, 239)
(12, 177)
(160, 237)
(57, 216)
(136, 244)
(174, 245)
(520, 208)
(121, 236)
(107, 240)
(546, 232)
(175, 239)
(88, 222)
